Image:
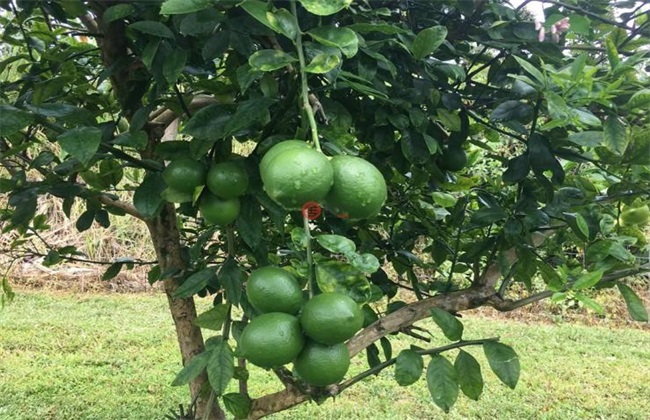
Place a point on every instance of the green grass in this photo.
(68, 356)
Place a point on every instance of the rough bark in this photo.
(163, 228)
(166, 239)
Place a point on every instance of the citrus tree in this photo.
(330, 172)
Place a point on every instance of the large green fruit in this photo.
(331, 318)
(271, 340)
(272, 289)
(320, 364)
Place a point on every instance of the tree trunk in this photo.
(166, 240)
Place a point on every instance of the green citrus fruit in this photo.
(359, 189)
(217, 211)
(331, 318)
(297, 175)
(227, 180)
(272, 289)
(453, 158)
(184, 175)
(321, 365)
(279, 148)
(272, 339)
(635, 216)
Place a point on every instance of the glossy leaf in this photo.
(325, 7)
(192, 369)
(470, 378)
(177, 7)
(408, 367)
(81, 142)
(269, 60)
(442, 382)
(147, 197)
(213, 318)
(154, 28)
(634, 303)
(336, 276)
(323, 63)
(232, 278)
(220, 367)
(237, 404)
(13, 120)
(615, 135)
(344, 39)
(587, 280)
(503, 361)
(195, 283)
(428, 41)
(451, 326)
(336, 243)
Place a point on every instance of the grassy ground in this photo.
(65, 356)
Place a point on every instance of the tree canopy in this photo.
(516, 156)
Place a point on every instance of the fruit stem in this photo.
(304, 93)
(310, 260)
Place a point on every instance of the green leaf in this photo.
(366, 263)
(503, 361)
(237, 404)
(635, 305)
(612, 53)
(210, 122)
(258, 10)
(112, 271)
(177, 7)
(249, 222)
(117, 12)
(469, 375)
(192, 369)
(487, 215)
(323, 63)
(337, 276)
(81, 142)
(325, 7)
(532, 70)
(615, 134)
(590, 303)
(344, 39)
(152, 28)
(283, 22)
(85, 220)
(247, 113)
(213, 318)
(13, 120)
(232, 278)
(387, 347)
(442, 382)
(147, 197)
(195, 283)
(174, 65)
(640, 99)
(444, 199)
(408, 367)
(336, 243)
(451, 327)
(269, 60)
(137, 140)
(25, 204)
(221, 367)
(512, 110)
(587, 280)
(428, 41)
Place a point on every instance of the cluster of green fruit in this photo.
(635, 214)
(294, 174)
(224, 183)
(311, 335)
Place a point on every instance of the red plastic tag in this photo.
(311, 210)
